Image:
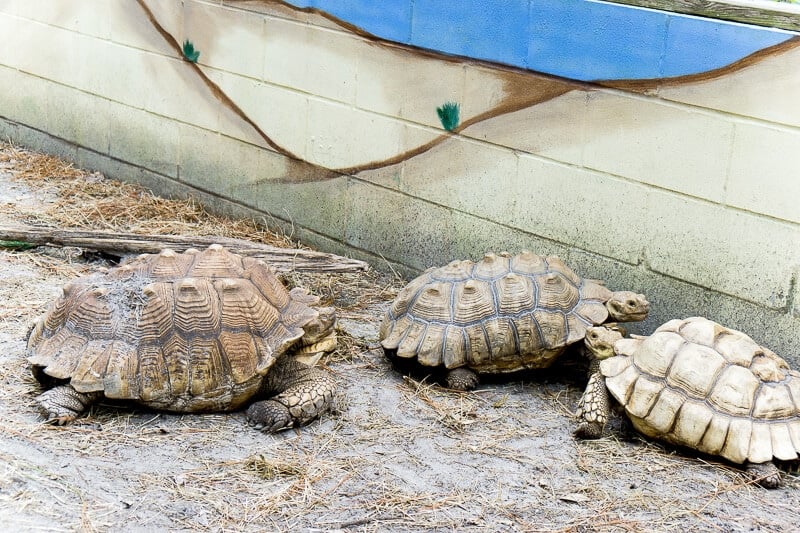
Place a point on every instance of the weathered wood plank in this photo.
(782, 15)
(122, 244)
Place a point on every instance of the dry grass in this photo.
(402, 454)
(89, 200)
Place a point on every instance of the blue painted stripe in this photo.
(579, 39)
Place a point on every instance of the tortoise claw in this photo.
(56, 420)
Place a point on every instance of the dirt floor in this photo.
(401, 454)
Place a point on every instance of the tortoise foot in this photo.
(462, 379)
(765, 474)
(588, 430)
(62, 405)
(269, 416)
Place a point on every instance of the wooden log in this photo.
(122, 244)
(763, 13)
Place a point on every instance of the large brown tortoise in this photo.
(698, 384)
(500, 314)
(185, 332)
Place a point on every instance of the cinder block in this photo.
(8, 25)
(113, 168)
(399, 83)
(144, 139)
(221, 164)
(763, 175)
(169, 16)
(340, 136)
(8, 130)
(663, 145)
(473, 29)
(322, 207)
(255, 177)
(125, 23)
(467, 176)
(555, 128)
(78, 117)
(674, 298)
(473, 237)
(580, 208)
(311, 59)
(280, 112)
(743, 92)
(173, 89)
(396, 225)
(390, 19)
(796, 298)
(727, 250)
(228, 39)
(27, 103)
(44, 142)
(46, 51)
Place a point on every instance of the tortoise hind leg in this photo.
(461, 378)
(63, 404)
(298, 393)
(765, 474)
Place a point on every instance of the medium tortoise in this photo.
(698, 384)
(185, 332)
(500, 314)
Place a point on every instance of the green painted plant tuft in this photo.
(448, 115)
(189, 52)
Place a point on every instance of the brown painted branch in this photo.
(121, 244)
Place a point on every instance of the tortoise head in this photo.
(627, 306)
(320, 327)
(600, 340)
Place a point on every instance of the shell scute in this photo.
(735, 391)
(657, 352)
(694, 369)
(691, 423)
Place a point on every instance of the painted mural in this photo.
(535, 50)
(580, 40)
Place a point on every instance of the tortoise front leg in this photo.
(593, 407)
(63, 404)
(765, 474)
(298, 393)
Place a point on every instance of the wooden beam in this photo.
(122, 244)
(782, 15)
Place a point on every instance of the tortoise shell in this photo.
(193, 331)
(500, 314)
(696, 383)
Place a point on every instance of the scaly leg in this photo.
(765, 474)
(298, 393)
(461, 379)
(63, 404)
(593, 407)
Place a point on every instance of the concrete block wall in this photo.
(671, 176)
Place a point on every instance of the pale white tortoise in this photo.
(500, 314)
(185, 332)
(698, 384)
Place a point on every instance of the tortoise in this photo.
(498, 315)
(701, 385)
(188, 332)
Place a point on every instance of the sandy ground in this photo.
(400, 455)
